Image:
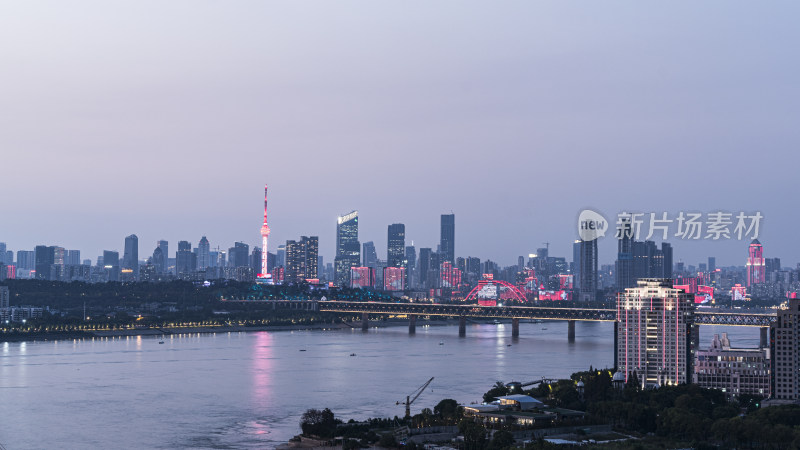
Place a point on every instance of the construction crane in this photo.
(410, 398)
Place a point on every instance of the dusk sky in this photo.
(166, 119)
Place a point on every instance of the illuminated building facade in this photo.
(785, 345)
(396, 249)
(450, 276)
(734, 371)
(756, 268)
(264, 237)
(362, 277)
(302, 258)
(394, 279)
(654, 326)
(348, 249)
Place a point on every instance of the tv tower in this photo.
(264, 235)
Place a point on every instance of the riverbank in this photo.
(57, 336)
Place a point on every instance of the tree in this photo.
(498, 390)
(388, 441)
(318, 423)
(474, 434)
(448, 410)
(501, 440)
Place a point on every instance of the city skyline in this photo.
(514, 129)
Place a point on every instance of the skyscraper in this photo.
(45, 261)
(786, 352)
(654, 333)
(424, 266)
(370, 255)
(624, 265)
(264, 272)
(239, 255)
(447, 241)
(756, 267)
(159, 261)
(130, 258)
(348, 249)
(588, 285)
(185, 262)
(203, 254)
(411, 264)
(396, 245)
(302, 259)
(111, 265)
(712, 264)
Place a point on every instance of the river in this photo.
(248, 390)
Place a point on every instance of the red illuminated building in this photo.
(451, 276)
(362, 277)
(756, 268)
(394, 278)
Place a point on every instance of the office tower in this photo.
(771, 265)
(348, 249)
(111, 265)
(164, 246)
(411, 264)
(159, 261)
(26, 260)
(712, 264)
(45, 261)
(271, 261)
(654, 326)
(370, 255)
(447, 241)
(73, 258)
(520, 263)
(749, 375)
(424, 266)
(239, 255)
(184, 259)
(394, 279)
(280, 256)
(624, 265)
(587, 269)
(264, 270)
(755, 264)
(362, 277)
(130, 258)
(786, 352)
(203, 254)
(666, 251)
(396, 245)
(256, 260)
(576, 264)
(450, 276)
(302, 259)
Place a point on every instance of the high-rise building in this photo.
(394, 278)
(370, 256)
(348, 249)
(26, 260)
(756, 266)
(447, 242)
(396, 245)
(587, 269)
(111, 265)
(771, 265)
(785, 345)
(654, 333)
(362, 277)
(185, 261)
(712, 264)
(73, 258)
(302, 259)
(256, 258)
(239, 255)
(130, 258)
(280, 256)
(666, 251)
(203, 254)
(164, 246)
(159, 261)
(576, 264)
(424, 267)
(264, 270)
(411, 264)
(624, 265)
(45, 261)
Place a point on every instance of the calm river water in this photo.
(248, 390)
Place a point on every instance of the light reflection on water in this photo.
(248, 390)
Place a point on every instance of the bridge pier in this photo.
(571, 330)
(462, 326)
(364, 321)
(412, 323)
(764, 341)
(515, 328)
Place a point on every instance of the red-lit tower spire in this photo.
(264, 235)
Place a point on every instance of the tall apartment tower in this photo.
(785, 345)
(654, 333)
(203, 254)
(302, 259)
(756, 267)
(130, 258)
(396, 249)
(447, 242)
(624, 266)
(348, 249)
(587, 271)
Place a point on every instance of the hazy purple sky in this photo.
(165, 119)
